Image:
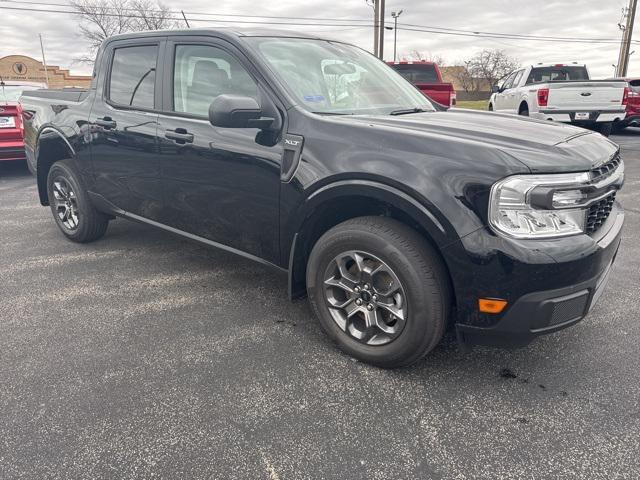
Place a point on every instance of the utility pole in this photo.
(44, 61)
(395, 16)
(376, 26)
(627, 33)
(380, 28)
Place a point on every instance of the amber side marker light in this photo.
(491, 305)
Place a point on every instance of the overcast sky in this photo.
(562, 18)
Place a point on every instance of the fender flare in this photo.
(41, 175)
(425, 214)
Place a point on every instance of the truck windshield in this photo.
(557, 74)
(334, 78)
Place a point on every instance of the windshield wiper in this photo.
(332, 113)
(405, 111)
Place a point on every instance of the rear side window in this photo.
(557, 74)
(133, 76)
(417, 73)
(203, 72)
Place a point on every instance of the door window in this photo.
(516, 81)
(133, 76)
(203, 72)
(508, 82)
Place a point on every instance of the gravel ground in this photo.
(143, 355)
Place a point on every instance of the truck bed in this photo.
(67, 94)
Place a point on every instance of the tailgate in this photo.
(10, 123)
(439, 92)
(577, 96)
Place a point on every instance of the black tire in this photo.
(490, 107)
(618, 127)
(524, 111)
(420, 271)
(90, 224)
(605, 128)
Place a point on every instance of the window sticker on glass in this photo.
(314, 98)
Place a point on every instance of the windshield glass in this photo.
(13, 92)
(334, 78)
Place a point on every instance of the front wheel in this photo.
(380, 291)
(605, 128)
(72, 210)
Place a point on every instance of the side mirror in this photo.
(235, 111)
(496, 89)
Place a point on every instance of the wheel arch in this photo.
(523, 102)
(343, 200)
(52, 145)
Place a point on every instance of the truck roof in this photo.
(222, 32)
(559, 64)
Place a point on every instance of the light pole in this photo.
(395, 16)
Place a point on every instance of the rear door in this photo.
(124, 122)
(501, 102)
(511, 96)
(221, 184)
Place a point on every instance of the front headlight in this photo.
(517, 206)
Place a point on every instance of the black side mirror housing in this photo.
(235, 111)
(496, 89)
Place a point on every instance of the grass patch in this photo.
(473, 104)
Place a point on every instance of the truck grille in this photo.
(599, 212)
(606, 169)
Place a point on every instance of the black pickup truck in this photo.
(397, 218)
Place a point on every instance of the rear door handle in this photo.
(106, 122)
(179, 135)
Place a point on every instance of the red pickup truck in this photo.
(427, 78)
(11, 127)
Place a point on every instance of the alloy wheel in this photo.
(66, 203)
(365, 298)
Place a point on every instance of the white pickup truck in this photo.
(562, 93)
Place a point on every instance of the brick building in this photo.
(21, 67)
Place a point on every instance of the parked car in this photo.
(427, 78)
(396, 218)
(562, 93)
(11, 129)
(632, 115)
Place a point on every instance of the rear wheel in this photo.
(72, 210)
(524, 110)
(379, 290)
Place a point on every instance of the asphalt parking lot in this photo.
(143, 355)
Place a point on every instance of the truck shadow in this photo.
(14, 169)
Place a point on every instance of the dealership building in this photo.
(21, 67)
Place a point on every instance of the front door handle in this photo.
(179, 135)
(106, 122)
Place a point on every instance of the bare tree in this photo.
(100, 19)
(464, 78)
(416, 55)
(489, 66)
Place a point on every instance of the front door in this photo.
(219, 183)
(123, 124)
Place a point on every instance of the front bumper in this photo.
(549, 285)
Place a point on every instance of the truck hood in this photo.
(541, 146)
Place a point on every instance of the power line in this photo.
(406, 27)
(176, 12)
